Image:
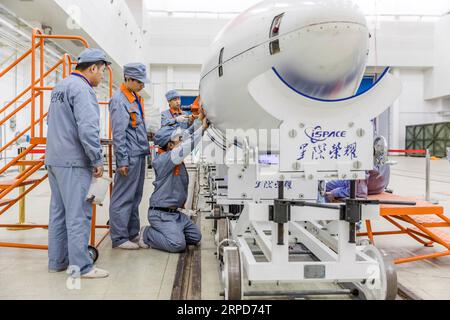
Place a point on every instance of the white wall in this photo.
(437, 83)
(137, 9)
(109, 25)
(112, 25)
(180, 41)
(401, 43)
(411, 108)
(184, 78)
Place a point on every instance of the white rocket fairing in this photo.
(316, 48)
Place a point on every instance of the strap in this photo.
(138, 101)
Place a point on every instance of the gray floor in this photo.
(149, 274)
(144, 274)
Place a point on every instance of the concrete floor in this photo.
(149, 274)
(144, 274)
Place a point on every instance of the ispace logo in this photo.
(317, 134)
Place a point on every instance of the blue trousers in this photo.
(341, 188)
(337, 184)
(70, 219)
(171, 232)
(124, 209)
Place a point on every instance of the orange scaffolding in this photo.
(37, 140)
(424, 222)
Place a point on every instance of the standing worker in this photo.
(131, 147)
(73, 156)
(174, 115)
(171, 230)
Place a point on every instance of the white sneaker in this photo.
(128, 246)
(96, 273)
(141, 242)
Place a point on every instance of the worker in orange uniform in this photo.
(131, 147)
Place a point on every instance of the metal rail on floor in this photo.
(187, 284)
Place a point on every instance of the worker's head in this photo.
(135, 76)
(92, 63)
(174, 99)
(169, 137)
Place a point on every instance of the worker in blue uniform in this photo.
(73, 157)
(131, 147)
(170, 230)
(377, 180)
(174, 115)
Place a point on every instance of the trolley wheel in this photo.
(223, 233)
(93, 252)
(383, 287)
(232, 274)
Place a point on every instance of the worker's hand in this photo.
(191, 119)
(329, 196)
(123, 171)
(182, 119)
(98, 172)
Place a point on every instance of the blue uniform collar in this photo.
(77, 74)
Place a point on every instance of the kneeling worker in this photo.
(170, 230)
(131, 148)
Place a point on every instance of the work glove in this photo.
(189, 213)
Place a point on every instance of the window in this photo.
(221, 62)
(274, 45)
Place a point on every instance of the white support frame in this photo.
(346, 264)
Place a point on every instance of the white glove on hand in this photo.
(189, 213)
(182, 119)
